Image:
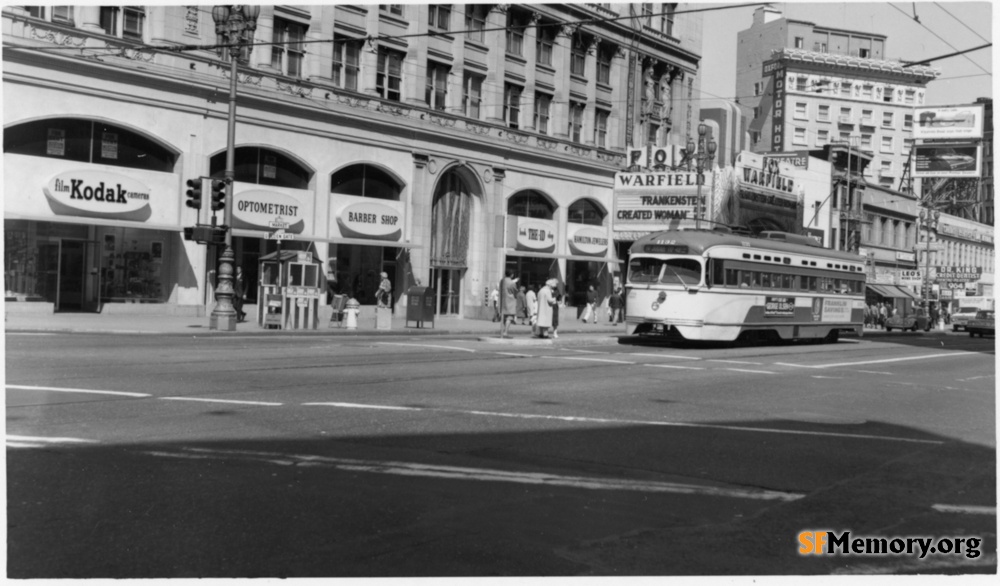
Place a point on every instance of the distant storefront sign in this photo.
(959, 273)
(799, 159)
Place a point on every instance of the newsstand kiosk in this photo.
(289, 290)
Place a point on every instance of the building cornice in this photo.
(921, 73)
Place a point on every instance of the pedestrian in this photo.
(933, 315)
(522, 305)
(383, 296)
(591, 310)
(531, 299)
(558, 294)
(546, 302)
(239, 294)
(508, 302)
(615, 306)
(882, 314)
(495, 303)
(946, 315)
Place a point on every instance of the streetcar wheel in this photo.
(832, 337)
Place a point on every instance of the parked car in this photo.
(912, 322)
(962, 316)
(982, 324)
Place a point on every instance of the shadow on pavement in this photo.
(726, 498)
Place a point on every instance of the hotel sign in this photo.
(778, 116)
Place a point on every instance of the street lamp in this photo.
(928, 221)
(704, 157)
(234, 30)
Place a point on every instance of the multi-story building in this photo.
(440, 143)
(805, 86)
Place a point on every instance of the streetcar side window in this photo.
(732, 277)
(718, 273)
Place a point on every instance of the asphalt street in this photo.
(180, 456)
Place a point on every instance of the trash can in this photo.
(420, 306)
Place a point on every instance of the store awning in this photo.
(904, 292)
(95, 222)
(357, 241)
(564, 256)
(891, 291)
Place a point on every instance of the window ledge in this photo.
(516, 59)
(383, 16)
(438, 33)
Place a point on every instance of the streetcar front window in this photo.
(674, 271)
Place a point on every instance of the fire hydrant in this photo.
(351, 310)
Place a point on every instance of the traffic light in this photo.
(189, 233)
(218, 194)
(194, 193)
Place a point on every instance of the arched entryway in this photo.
(452, 214)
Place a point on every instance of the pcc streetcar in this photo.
(716, 285)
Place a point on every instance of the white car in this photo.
(961, 317)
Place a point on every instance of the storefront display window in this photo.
(132, 268)
(21, 277)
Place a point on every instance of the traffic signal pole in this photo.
(223, 316)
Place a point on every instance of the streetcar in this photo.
(720, 286)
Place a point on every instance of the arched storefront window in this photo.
(586, 211)
(358, 267)
(263, 167)
(365, 181)
(87, 141)
(531, 204)
(80, 258)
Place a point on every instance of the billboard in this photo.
(948, 122)
(946, 160)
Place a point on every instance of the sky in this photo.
(944, 27)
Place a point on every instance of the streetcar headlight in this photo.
(662, 297)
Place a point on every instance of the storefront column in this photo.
(419, 204)
(492, 271)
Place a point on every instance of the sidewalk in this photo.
(198, 326)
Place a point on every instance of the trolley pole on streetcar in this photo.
(703, 158)
(234, 31)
